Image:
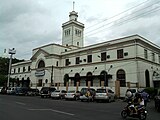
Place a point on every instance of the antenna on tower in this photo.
(73, 5)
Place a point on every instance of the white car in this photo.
(11, 90)
(1, 89)
(72, 94)
(59, 94)
(104, 95)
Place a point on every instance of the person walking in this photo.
(145, 97)
(88, 94)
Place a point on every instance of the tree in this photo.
(4, 66)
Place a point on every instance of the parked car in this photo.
(11, 90)
(33, 92)
(1, 89)
(104, 95)
(4, 90)
(72, 95)
(58, 94)
(83, 94)
(46, 91)
(21, 90)
(157, 101)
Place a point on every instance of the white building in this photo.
(131, 61)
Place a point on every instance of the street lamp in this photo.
(11, 52)
(52, 76)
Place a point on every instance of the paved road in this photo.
(36, 108)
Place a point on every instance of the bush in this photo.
(151, 91)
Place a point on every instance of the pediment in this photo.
(40, 51)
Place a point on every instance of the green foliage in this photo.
(151, 91)
(4, 66)
(3, 80)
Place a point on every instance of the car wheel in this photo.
(157, 107)
(109, 100)
(42, 96)
(75, 98)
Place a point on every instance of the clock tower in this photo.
(72, 31)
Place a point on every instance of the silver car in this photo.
(104, 95)
(72, 94)
(58, 94)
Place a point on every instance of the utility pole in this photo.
(11, 52)
(52, 76)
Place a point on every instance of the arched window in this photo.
(147, 78)
(66, 79)
(89, 78)
(41, 64)
(121, 77)
(103, 77)
(76, 79)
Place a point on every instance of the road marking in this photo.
(62, 112)
(57, 111)
(20, 103)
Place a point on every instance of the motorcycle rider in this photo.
(135, 102)
(138, 102)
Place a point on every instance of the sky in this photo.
(28, 24)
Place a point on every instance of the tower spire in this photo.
(73, 5)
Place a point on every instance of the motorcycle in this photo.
(141, 112)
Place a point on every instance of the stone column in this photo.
(117, 88)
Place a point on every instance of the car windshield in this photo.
(57, 91)
(132, 90)
(71, 92)
(45, 88)
(101, 91)
(52, 89)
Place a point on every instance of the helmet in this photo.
(129, 94)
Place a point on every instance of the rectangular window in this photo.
(77, 60)
(119, 53)
(89, 58)
(23, 69)
(153, 57)
(29, 68)
(78, 32)
(145, 54)
(14, 70)
(57, 63)
(67, 62)
(39, 84)
(159, 58)
(103, 56)
(18, 70)
(67, 32)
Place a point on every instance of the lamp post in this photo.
(52, 76)
(11, 52)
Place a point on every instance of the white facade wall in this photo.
(133, 62)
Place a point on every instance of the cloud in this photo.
(27, 24)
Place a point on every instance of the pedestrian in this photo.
(145, 97)
(88, 94)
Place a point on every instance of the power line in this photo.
(137, 16)
(119, 13)
(122, 20)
